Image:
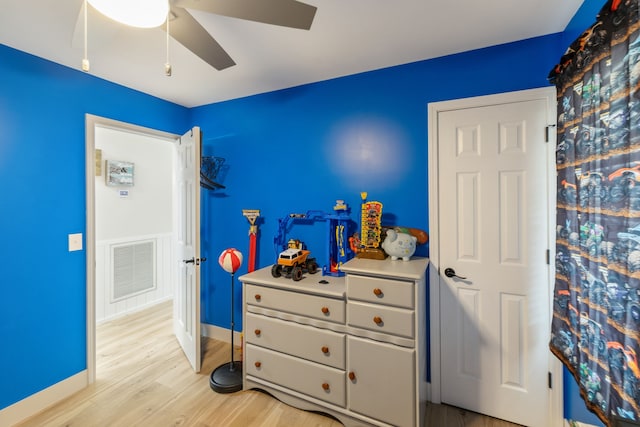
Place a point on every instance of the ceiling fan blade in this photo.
(188, 32)
(286, 13)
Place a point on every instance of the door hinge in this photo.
(546, 132)
(550, 380)
(548, 256)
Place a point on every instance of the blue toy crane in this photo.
(338, 251)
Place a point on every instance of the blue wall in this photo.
(42, 155)
(302, 148)
(289, 151)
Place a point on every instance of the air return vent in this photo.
(134, 268)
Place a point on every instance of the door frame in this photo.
(434, 109)
(91, 121)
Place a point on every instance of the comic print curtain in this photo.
(596, 307)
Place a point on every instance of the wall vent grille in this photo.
(133, 269)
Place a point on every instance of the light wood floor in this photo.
(143, 379)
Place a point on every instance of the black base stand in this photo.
(227, 378)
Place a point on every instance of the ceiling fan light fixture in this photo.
(136, 13)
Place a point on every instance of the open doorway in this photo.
(133, 220)
(130, 225)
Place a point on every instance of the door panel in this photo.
(186, 302)
(511, 215)
(468, 214)
(512, 352)
(378, 390)
(493, 212)
(468, 318)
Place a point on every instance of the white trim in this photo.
(135, 309)
(139, 238)
(221, 334)
(43, 399)
(90, 239)
(434, 109)
(91, 122)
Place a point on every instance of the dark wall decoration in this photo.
(596, 313)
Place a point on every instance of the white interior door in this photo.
(186, 301)
(493, 209)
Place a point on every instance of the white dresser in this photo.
(354, 348)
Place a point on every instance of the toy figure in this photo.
(354, 242)
(294, 261)
(399, 245)
(370, 229)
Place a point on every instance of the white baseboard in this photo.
(221, 334)
(37, 402)
(134, 309)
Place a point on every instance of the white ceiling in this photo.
(347, 37)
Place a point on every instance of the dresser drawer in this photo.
(330, 309)
(399, 293)
(319, 381)
(317, 345)
(387, 320)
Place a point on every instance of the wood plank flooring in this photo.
(143, 379)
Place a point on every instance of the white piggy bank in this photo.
(399, 245)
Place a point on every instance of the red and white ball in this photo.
(230, 260)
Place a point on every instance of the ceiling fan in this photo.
(185, 29)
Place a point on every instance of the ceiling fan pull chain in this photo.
(85, 60)
(167, 65)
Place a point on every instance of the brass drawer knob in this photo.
(325, 349)
(377, 320)
(258, 297)
(325, 310)
(257, 331)
(377, 292)
(257, 364)
(352, 376)
(325, 386)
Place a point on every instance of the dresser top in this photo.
(310, 283)
(414, 269)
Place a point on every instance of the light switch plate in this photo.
(75, 242)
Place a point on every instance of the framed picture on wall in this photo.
(118, 173)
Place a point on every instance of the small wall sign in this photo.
(118, 173)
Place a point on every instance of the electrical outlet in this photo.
(75, 242)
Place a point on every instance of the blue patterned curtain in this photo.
(596, 313)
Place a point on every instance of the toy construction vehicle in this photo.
(294, 261)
